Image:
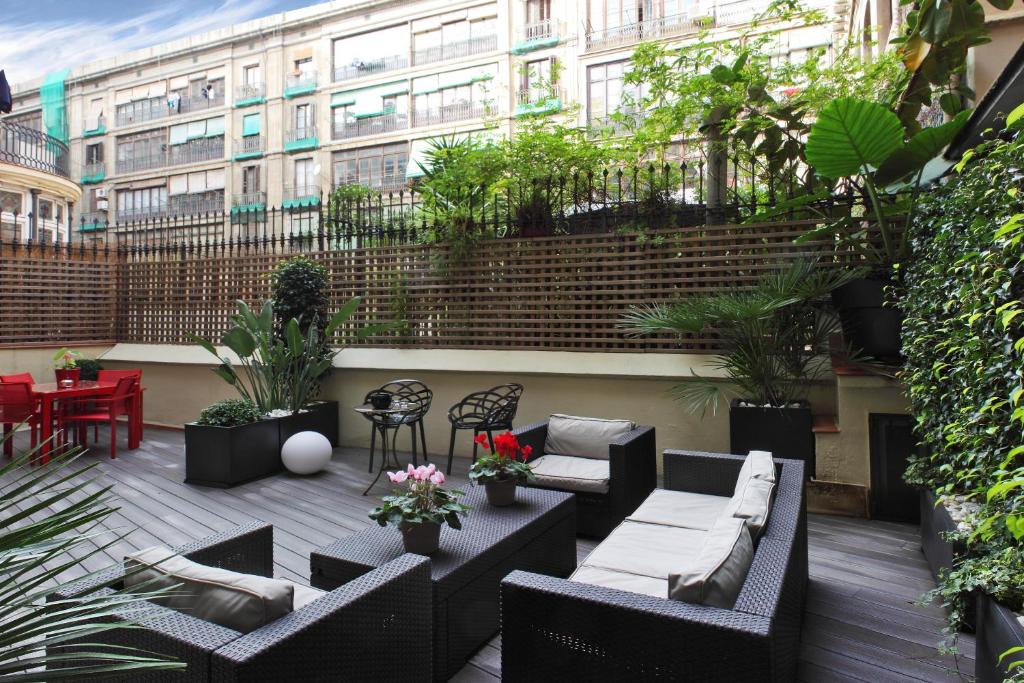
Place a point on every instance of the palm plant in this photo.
(51, 519)
(772, 336)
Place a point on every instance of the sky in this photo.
(48, 35)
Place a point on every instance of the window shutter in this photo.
(250, 125)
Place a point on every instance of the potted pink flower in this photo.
(66, 365)
(503, 469)
(420, 507)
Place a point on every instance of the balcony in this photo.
(94, 127)
(145, 213)
(455, 50)
(194, 103)
(370, 67)
(390, 182)
(301, 139)
(141, 111)
(249, 147)
(621, 124)
(93, 221)
(375, 124)
(659, 27)
(197, 203)
(23, 146)
(93, 173)
(538, 101)
(143, 163)
(245, 202)
(297, 84)
(196, 151)
(249, 94)
(538, 36)
(301, 196)
(450, 113)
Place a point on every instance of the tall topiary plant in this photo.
(300, 292)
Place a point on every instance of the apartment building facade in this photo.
(278, 111)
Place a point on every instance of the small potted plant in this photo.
(66, 365)
(420, 508)
(502, 469)
(231, 443)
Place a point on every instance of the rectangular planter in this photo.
(228, 456)
(321, 417)
(939, 552)
(786, 432)
(998, 630)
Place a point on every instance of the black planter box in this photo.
(998, 630)
(786, 432)
(321, 417)
(939, 552)
(228, 456)
(868, 324)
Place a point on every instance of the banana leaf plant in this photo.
(51, 521)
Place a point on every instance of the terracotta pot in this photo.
(67, 373)
(501, 493)
(422, 538)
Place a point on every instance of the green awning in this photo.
(248, 102)
(342, 99)
(179, 134)
(248, 208)
(534, 44)
(250, 125)
(215, 127)
(196, 129)
(300, 202)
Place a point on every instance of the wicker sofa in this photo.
(569, 630)
(335, 637)
(631, 474)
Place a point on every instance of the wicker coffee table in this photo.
(537, 533)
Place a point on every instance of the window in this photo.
(537, 80)
(250, 179)
(610, 14)
(197, 193)
(371, 53)
(305, 181)
(250, 125)
(251, 75)
(607, 94)
(141, 151)
(302, 118)
(95, 118)
(461, 38)
(10, 215)
(304, 68)
(537, 11)
(10, 202)
(143, 203)
(380, 168)
(94, 153)
(33, 120)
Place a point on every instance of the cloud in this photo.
(37, 47)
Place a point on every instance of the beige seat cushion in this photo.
(646, 549)
(242, 602)
(585, 437)
(752, 504)
(680, 508)
(623, 581)
(305, 595)
(571, 473)
(757, 465)
(716, 575)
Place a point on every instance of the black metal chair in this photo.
(484, 411)
(411, 390)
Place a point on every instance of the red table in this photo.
(49, 392)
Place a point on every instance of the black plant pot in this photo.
(998, 630)
(321, 417)
(228, 456)
(786, 432)
(938, 551)
(871, 327)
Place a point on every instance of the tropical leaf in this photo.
(851, 137)
(919, 150)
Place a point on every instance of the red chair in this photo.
(20, 377)
(17, 406)
(97, 410)
(135, 435)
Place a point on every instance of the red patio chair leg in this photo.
(8, 441)
(113, 438)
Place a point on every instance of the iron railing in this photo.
(141, 111)
(143, 213)
(195, 151)
(249, 91)
(93, 169)
(540, 30)
(301, 81)
(250, 144)
(198, 203)
(649, 29)
(534, 97)
(307, 191)
(24, 146)
(456, 49)
(370, 67)
(458, 111)
(249, 199)
(307, 132)
(193, 103)
(620, 123)
(369, 125)
(93, 220)
(146, 162)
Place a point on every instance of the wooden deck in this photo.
(861, 621)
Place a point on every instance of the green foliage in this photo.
(421, 500)
(963, 340)
(300, 292)
(49, 522)
(66, 359)
(774, 336)
(229, 412)
(89, 368)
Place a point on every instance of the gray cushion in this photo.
(623, 581)
(716, 575)
(242, 602)
(752, 504)
(680, 508)
(757, 465)
(305, 595)
(571, 473)
(586, 437)
(646, 549)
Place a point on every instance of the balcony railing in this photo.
(391, 182)
(142, 111)
(301, 196)
(455, 50)
(194, 103)
(370, 67)
(142, 163)
(249, 93)
(195, 151)
(92, 220)
(458, 111)
(541, 30)
(249, 147)
(144, 213)
(94, 126)
(200, 202)
(539, 100)
(300, 83)
(369, 125)
(659, 27)
(31, 148)
(249, 200)
(93, 172)
(297, 139)
(620, 124)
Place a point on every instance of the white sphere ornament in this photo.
(306, 452)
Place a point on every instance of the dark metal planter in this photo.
(228, 456)
(939, 552)
(998, 630)
(321, 417)
(786, 432)
(868, 324)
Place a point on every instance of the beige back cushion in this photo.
(752, 504)
(716, 575)
(586, 437)
(757, 465)
(242, 602)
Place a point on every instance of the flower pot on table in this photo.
(501, 493)
(422, 538)
(72, 374)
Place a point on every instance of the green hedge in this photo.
(963, 342)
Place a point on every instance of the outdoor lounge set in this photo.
(701, 580)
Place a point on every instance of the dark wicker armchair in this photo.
(632, 475)
(336, 637)
(565, 630)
